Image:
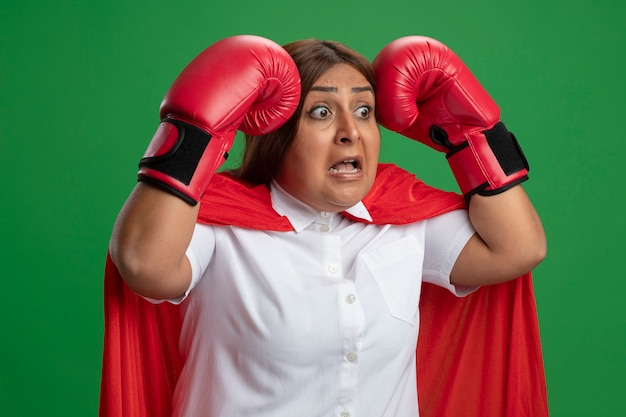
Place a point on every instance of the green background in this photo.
(81, 83)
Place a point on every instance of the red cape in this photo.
(476, 356)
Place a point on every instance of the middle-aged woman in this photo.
(299, 273)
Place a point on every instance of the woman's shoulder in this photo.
(230, 201)
(399, 197)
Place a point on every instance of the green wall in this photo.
(81, 83)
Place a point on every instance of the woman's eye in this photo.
(319, 112)
(364, 111)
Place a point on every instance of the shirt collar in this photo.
(301, 215)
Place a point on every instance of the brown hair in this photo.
(263, 154)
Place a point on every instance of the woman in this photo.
(312, 306)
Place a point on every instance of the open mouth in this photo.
(348, 166)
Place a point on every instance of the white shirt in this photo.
(320, 321)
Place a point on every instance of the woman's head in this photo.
(263, 155)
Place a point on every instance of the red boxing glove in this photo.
(425, 92)
(242, 82)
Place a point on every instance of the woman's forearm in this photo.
(149, 240)
(509, 241)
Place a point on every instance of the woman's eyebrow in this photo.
(361, 89)
(324, 89)
(334, 89)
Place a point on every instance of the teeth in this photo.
(343, 171)
(354, 170)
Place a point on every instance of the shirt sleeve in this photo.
(445, 237)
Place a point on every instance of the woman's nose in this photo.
(347, 130)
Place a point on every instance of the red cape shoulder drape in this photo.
(477, 356)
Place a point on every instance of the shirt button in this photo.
(325, 214)
(350, 298)
(324, 228)
(344, 414)
(333, 268)
(352, 356)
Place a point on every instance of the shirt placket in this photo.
(351, 322)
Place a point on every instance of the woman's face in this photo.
(331, 163)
